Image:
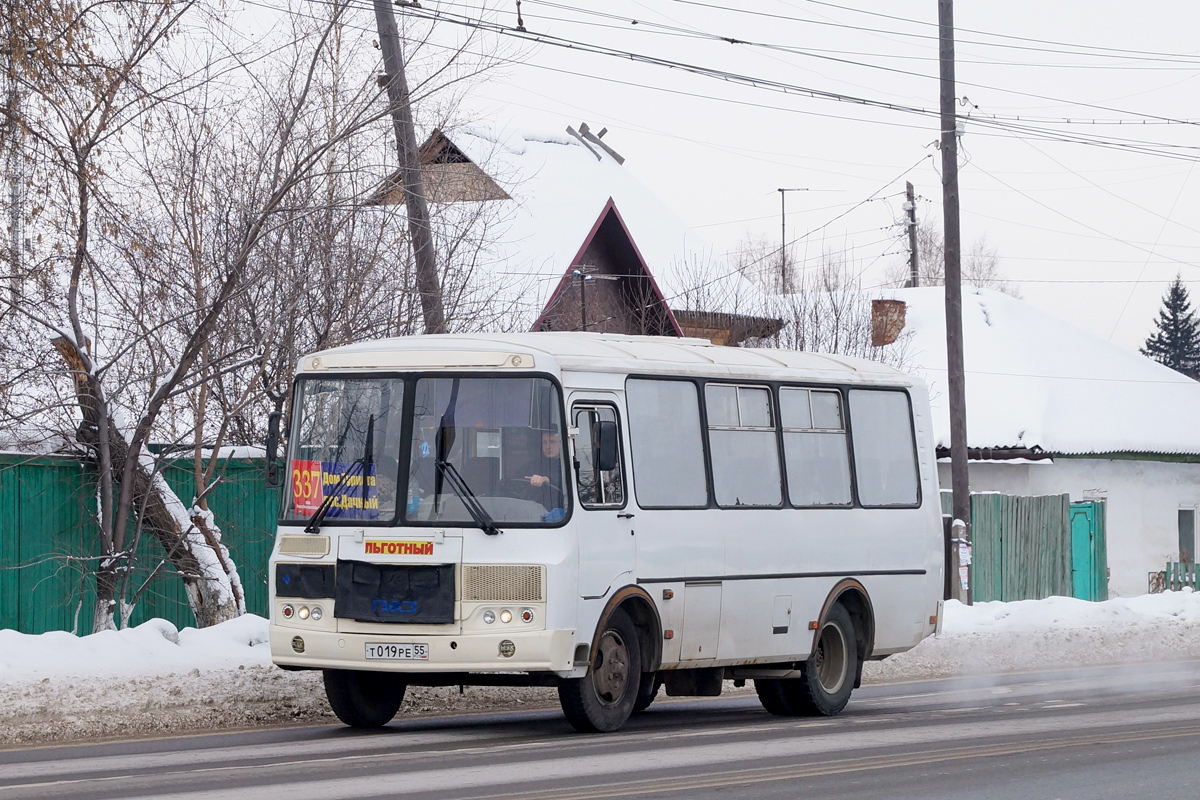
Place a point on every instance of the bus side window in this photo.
(885, 453)
(597, 487)
(814, 447)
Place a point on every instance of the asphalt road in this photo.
(1095, 733)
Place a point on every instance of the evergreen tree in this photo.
(1176, 343)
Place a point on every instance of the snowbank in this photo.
(156, 679)
(1057, 632)
(152, 648)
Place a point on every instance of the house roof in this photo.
(560, 188)
(1035, 381)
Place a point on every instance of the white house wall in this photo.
(1143, 500)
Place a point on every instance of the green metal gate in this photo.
(48, 542)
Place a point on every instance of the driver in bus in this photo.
(548, 475)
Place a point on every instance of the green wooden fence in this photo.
(1022, 548)
(48, 543)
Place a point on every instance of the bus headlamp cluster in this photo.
(506, 616)
(303, 612)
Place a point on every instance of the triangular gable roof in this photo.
(1037, 382)
(449, 174)
(607, 214)
(559, 188)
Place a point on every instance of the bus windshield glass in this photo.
(345, 450)
(494, 442)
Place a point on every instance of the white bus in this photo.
(605, 514)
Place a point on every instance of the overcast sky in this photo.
(1093, 233)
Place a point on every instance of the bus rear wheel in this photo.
(364, 699)
(602, 700)
(826, 679)
(651, 683)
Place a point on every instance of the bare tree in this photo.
(980, 266)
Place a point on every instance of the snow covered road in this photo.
(154, 679)
(1082, 733)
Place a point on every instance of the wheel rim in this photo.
(610, 673)
(831, 659)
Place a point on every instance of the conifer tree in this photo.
(1176, 342)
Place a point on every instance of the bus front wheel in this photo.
(602, 700)
(364, 699)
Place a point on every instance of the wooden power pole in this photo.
(428, 283)
(910, 206)
(954, 340)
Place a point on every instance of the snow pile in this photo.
(1034, 380)
(156, 679)
(1056, 632)
(155, 647)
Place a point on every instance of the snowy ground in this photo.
(154, 679)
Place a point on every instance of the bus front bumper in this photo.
(532, 651)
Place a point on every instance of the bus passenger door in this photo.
(602, 523)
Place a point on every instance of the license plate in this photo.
(397, 652)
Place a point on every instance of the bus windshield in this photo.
(345, 449)
(500, 439)
(477, 444)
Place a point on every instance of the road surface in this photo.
(1093, 733)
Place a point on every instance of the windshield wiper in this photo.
(468, 498)
(314, 522)
(446, 470)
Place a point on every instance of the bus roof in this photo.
(596, 352)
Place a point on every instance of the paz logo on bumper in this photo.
(386, 547)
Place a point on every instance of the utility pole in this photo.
(954, 341)
(910, 205)
(784, 283)
(428, 284)
(582, 298)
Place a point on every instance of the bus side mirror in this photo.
(272, 471)
(604, 438)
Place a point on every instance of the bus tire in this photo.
(828, 675)
(774, 696)
(602, 700)
(364, 699)
(648, 690)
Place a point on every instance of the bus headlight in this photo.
(506, 616)
(489, 617)
(317, 613)
(303, 612)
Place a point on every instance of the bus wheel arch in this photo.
(636, 603)
(852, 596)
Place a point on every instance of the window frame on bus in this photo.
(409, 379)
(698, 386)
(845, 431)
(709, 427)
(627, 484)
(912, 429)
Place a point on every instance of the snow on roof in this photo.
(560, 188)
(1036, 381)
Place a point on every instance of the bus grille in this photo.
(307, 545)
(502, 583)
